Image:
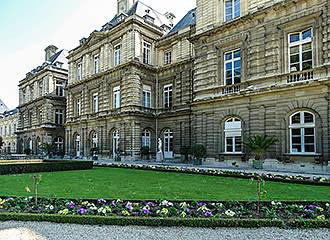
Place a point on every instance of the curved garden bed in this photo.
(168, 213)
(312, 180)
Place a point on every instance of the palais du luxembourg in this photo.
(227, 70)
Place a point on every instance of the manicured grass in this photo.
(130, 184)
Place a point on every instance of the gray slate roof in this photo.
(189, 19)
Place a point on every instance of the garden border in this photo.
(165, 222)
(224, 173)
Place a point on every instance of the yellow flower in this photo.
(64, 212)
(125, 213)
(321, 217)
(164, 211)
(183, 214)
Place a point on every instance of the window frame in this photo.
(302, 126)
(168, 94)
(233, 137)
(146, 53)
(167, 57)
(96, 63)
(117, 58)
(116, 94)
(146, 94)
(59, 88)
(233, 11)
(95, 103)
(59, 116)
(232, 61)
(300, 43)
(79, 71)
(146, 138)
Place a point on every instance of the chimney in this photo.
(124, 5)
(50, 51)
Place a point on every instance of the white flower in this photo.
(230, 213)
(327, 204)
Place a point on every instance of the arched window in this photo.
(95, 141)
(59, 143)
(302, 132)
(168, 143)
(146, 138)
(233, 135)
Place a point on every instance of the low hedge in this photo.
(165, 222)
(223, 173)
(45, 166)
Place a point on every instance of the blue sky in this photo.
(27, 27)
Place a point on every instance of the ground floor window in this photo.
(233, 135)
(59, 144)
(168, 143)
(146, 138)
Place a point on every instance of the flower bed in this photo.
(167, 213)
(226, 173)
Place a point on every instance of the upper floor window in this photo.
(96, 64)
(168, 57)
(41, 88)
(60, 88)
(146, 96)
(116, 97)
(95, 102)
(78, 107)
(146, 52)
(233, 67)
(117, 55)
(302, 133)
(168, 95)
(79, 71)
(232, 9)
(233, 136)
(300, 51)
(59, 116)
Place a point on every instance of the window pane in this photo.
(309, 131)
(229, 66)
(237, 64)
(294, 58)
(307, 56)
(295, 119)
(307, 65)
(237, 8)
(229, 75)
(309, 148)
(307, 34)
(294, 50)
(294, 67)
(228, 56)
(237, 54)
(308, 117)
(237, 80)
(296, 140)
(296, 148)
(238, 144)
(306, 47)
(229, 144)
(294, 37)
(309, 140)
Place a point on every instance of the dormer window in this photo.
(148, 18)
(59, 64)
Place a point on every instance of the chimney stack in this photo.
(50, 51)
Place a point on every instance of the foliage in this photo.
(27, 151)
(259, 144)
(36, 181)
(170, 213)
(198, 151)
(185, 151)
(145, 150)
(48, 148)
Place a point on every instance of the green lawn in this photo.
(136, 184)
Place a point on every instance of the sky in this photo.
(27, 27)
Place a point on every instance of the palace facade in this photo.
(8, 126)
(228, 69)
(42, 104)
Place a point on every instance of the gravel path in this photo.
(50, 231)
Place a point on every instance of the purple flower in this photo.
(200, 204)
(113, 203)
(10, 199)
(312, 206)
(82, 211)
(151, 204)
(146, 211)
(309, 210)
(101, 200)
(208, 214)
(129, 207)
(71, 205)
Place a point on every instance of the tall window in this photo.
(168, 57)
(300, 51)
(233, 136)
(59, 116)
(302, 133)
(233, 67)
(146, 96)
(116, 97)
(232, 9)
(59, 143)
(79, 71)
(40, 88)
(60, 88)
(117, 55)
(146, 138)
(168, 96)
(96, 64)
(78, 107)
(146, 52)
(95, 102)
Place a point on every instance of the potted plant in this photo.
(258, 145)
(94, 151)
(185, 151)
(199, 152)
(48, 149)
(145, 153)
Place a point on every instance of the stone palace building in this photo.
(8, 125)
(42, 104)
(227, 70)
